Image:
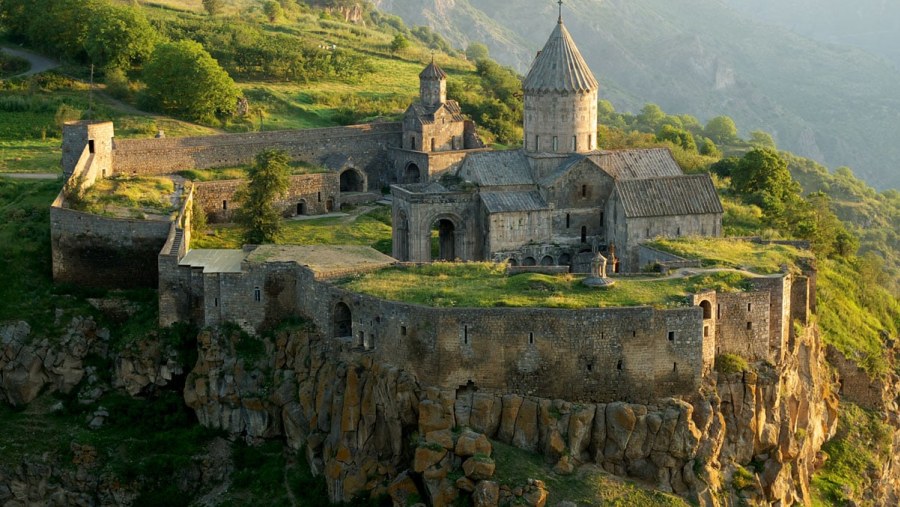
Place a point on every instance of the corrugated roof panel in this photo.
(497, 168)
(676, 195)
(505, 202)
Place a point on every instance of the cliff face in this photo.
(746, 435)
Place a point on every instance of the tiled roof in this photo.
(505, 202)
(426, 113)
(497, 168)
(559, 67)
(638, 164)
(675, 195)
(433, 72)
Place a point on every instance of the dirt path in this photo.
(31, 176)
(38, 63)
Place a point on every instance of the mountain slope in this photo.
(835, 104)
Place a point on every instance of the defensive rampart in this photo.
(366, 144)
(307, 194)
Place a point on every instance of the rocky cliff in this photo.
(752, 435)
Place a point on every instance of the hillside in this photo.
(866, 24)
(831, 103)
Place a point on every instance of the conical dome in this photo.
(559, 67)
(433, 72)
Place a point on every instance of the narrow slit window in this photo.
(257, 294)
(555, 143)
(705, 330)
(216, 302)
(402, 330)
(466, 335)
(748, 307)
(531, 338)
(590, 367)
(574, 143)
(619, 365)
(583, 190)
(671, 336)
(568, 220)
(749, 326)
(224, 204)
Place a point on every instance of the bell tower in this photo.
(432, 85)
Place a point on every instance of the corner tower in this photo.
(432, 85)
(560, 99)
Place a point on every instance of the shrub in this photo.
(731, 363)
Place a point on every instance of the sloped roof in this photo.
(675, 195)
(426, 113)
(497, 168)
(639, 164)
(433, 72)
(505, 202)
(559, 67)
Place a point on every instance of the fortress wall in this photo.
(780, 303)
(314, 190)
(365, 144)
(574, 354)
(174, 283)
(743, 324)
(105, 252)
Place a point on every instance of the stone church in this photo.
(555, 200)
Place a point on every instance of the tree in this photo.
(762, 170)
(725, 167)
(183, 79)
(119, 37)
(213, 7)
(651, 116)
(399, 43)
(762, 139)
(721, 129)
(268, 181)
(709, 148)
(272, 10)
(677, 136)
(477, 51)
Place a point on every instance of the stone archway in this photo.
(446, 239)
(352, 180)
(412, 173)
(707, 309)
(529, 261)
(301, 207)
(547, 261)
(342, 320)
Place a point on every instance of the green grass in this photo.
(588, 486)
(371, 228)
(731, 253)
(132, 197)
(30, 156)
(861, 446)
(484, 284)
(853, 314)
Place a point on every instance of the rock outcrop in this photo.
(29, 365)
(354, 419)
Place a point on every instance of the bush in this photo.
(731, 363)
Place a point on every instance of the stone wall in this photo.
(591, 355)
(511, 231)
(742, 321)
(307, 194)
(99, 251)
(366, 144)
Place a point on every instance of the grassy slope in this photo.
(730, 253)
(588, 486)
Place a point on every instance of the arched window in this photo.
(707, 309)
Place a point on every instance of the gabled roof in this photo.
(497, 168)
(638, 164)
(425, 114)
(564, 168)
(559, 67)
(433, 72)
(675, 195)
(507, 202)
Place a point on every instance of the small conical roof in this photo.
(433, 72)
(559, 67)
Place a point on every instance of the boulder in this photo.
(471, 443)
(487, 494)
(428, 455)
(479, 469)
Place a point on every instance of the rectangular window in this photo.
(748, 307)
(537, 143)
(257, 294)
(91, 146)
(574, 143)
(705, 330)
(402, 330)
(319, 196)
(555, 143)
(749, 326)
(671, 336)
(531, 338)
(224, 204)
